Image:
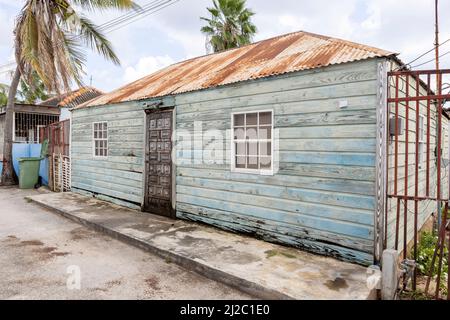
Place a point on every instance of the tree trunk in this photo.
(8, 174)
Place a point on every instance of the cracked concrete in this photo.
(256, 267)
(37, 247)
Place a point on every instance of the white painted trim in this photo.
(70, 147)
(174, 159)
(381, 160)
(144, 169)
(93, 141)
(233, 147)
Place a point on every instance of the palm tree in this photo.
(33, 92)
(230, 25)
(49, 35)
(28, 93)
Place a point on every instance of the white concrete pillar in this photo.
(390, 274)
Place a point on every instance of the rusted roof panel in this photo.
(73, 98)
(288, 53)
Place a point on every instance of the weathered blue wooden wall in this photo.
(119, 177)
(322, 198)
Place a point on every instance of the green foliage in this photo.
(34, 91)
(49, 36)
(27, 93)
(414, 295)
(230, 25)
(426, 249)
(3, 94)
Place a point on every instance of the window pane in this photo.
(265, 118)
(265, 133)
(95, 134)
(252, 133)
(252, 162)
(105, 134)
(240, 162)
(265, 149)
(252, 149)
(105, 126)
(239, 120)
(95, 126)
(239, 134)
(252, 119)
(253, 154)
(265, 163)
(240, 149)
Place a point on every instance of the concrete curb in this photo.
(251, 288)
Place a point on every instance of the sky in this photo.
(173, 34)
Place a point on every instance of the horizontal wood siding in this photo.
(322, 197)
(426, 208)
(119, 177)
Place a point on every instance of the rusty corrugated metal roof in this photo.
(288, 53)
(74, 98)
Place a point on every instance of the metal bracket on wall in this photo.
(151, 106)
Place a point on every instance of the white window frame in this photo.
(38, 130)
(264, 172)
(100, 139)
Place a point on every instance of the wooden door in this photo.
(159, 168)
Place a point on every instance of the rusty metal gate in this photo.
(417, 168)
(58, 136)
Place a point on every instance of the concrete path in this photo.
(259, 268)
(38, 248)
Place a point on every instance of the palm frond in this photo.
(49, 36)
(92, 5)
(230, 25)
(93, 38)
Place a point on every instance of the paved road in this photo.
(41, 253)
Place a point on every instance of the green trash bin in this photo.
(28, 172)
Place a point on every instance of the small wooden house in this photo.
(284, 139)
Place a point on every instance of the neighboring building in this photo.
(290, 153)
(28, 119)
(72, 99)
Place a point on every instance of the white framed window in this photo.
(100, 139)
(421, 134)
(252, 142)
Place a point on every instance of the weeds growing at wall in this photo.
(426, 248)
